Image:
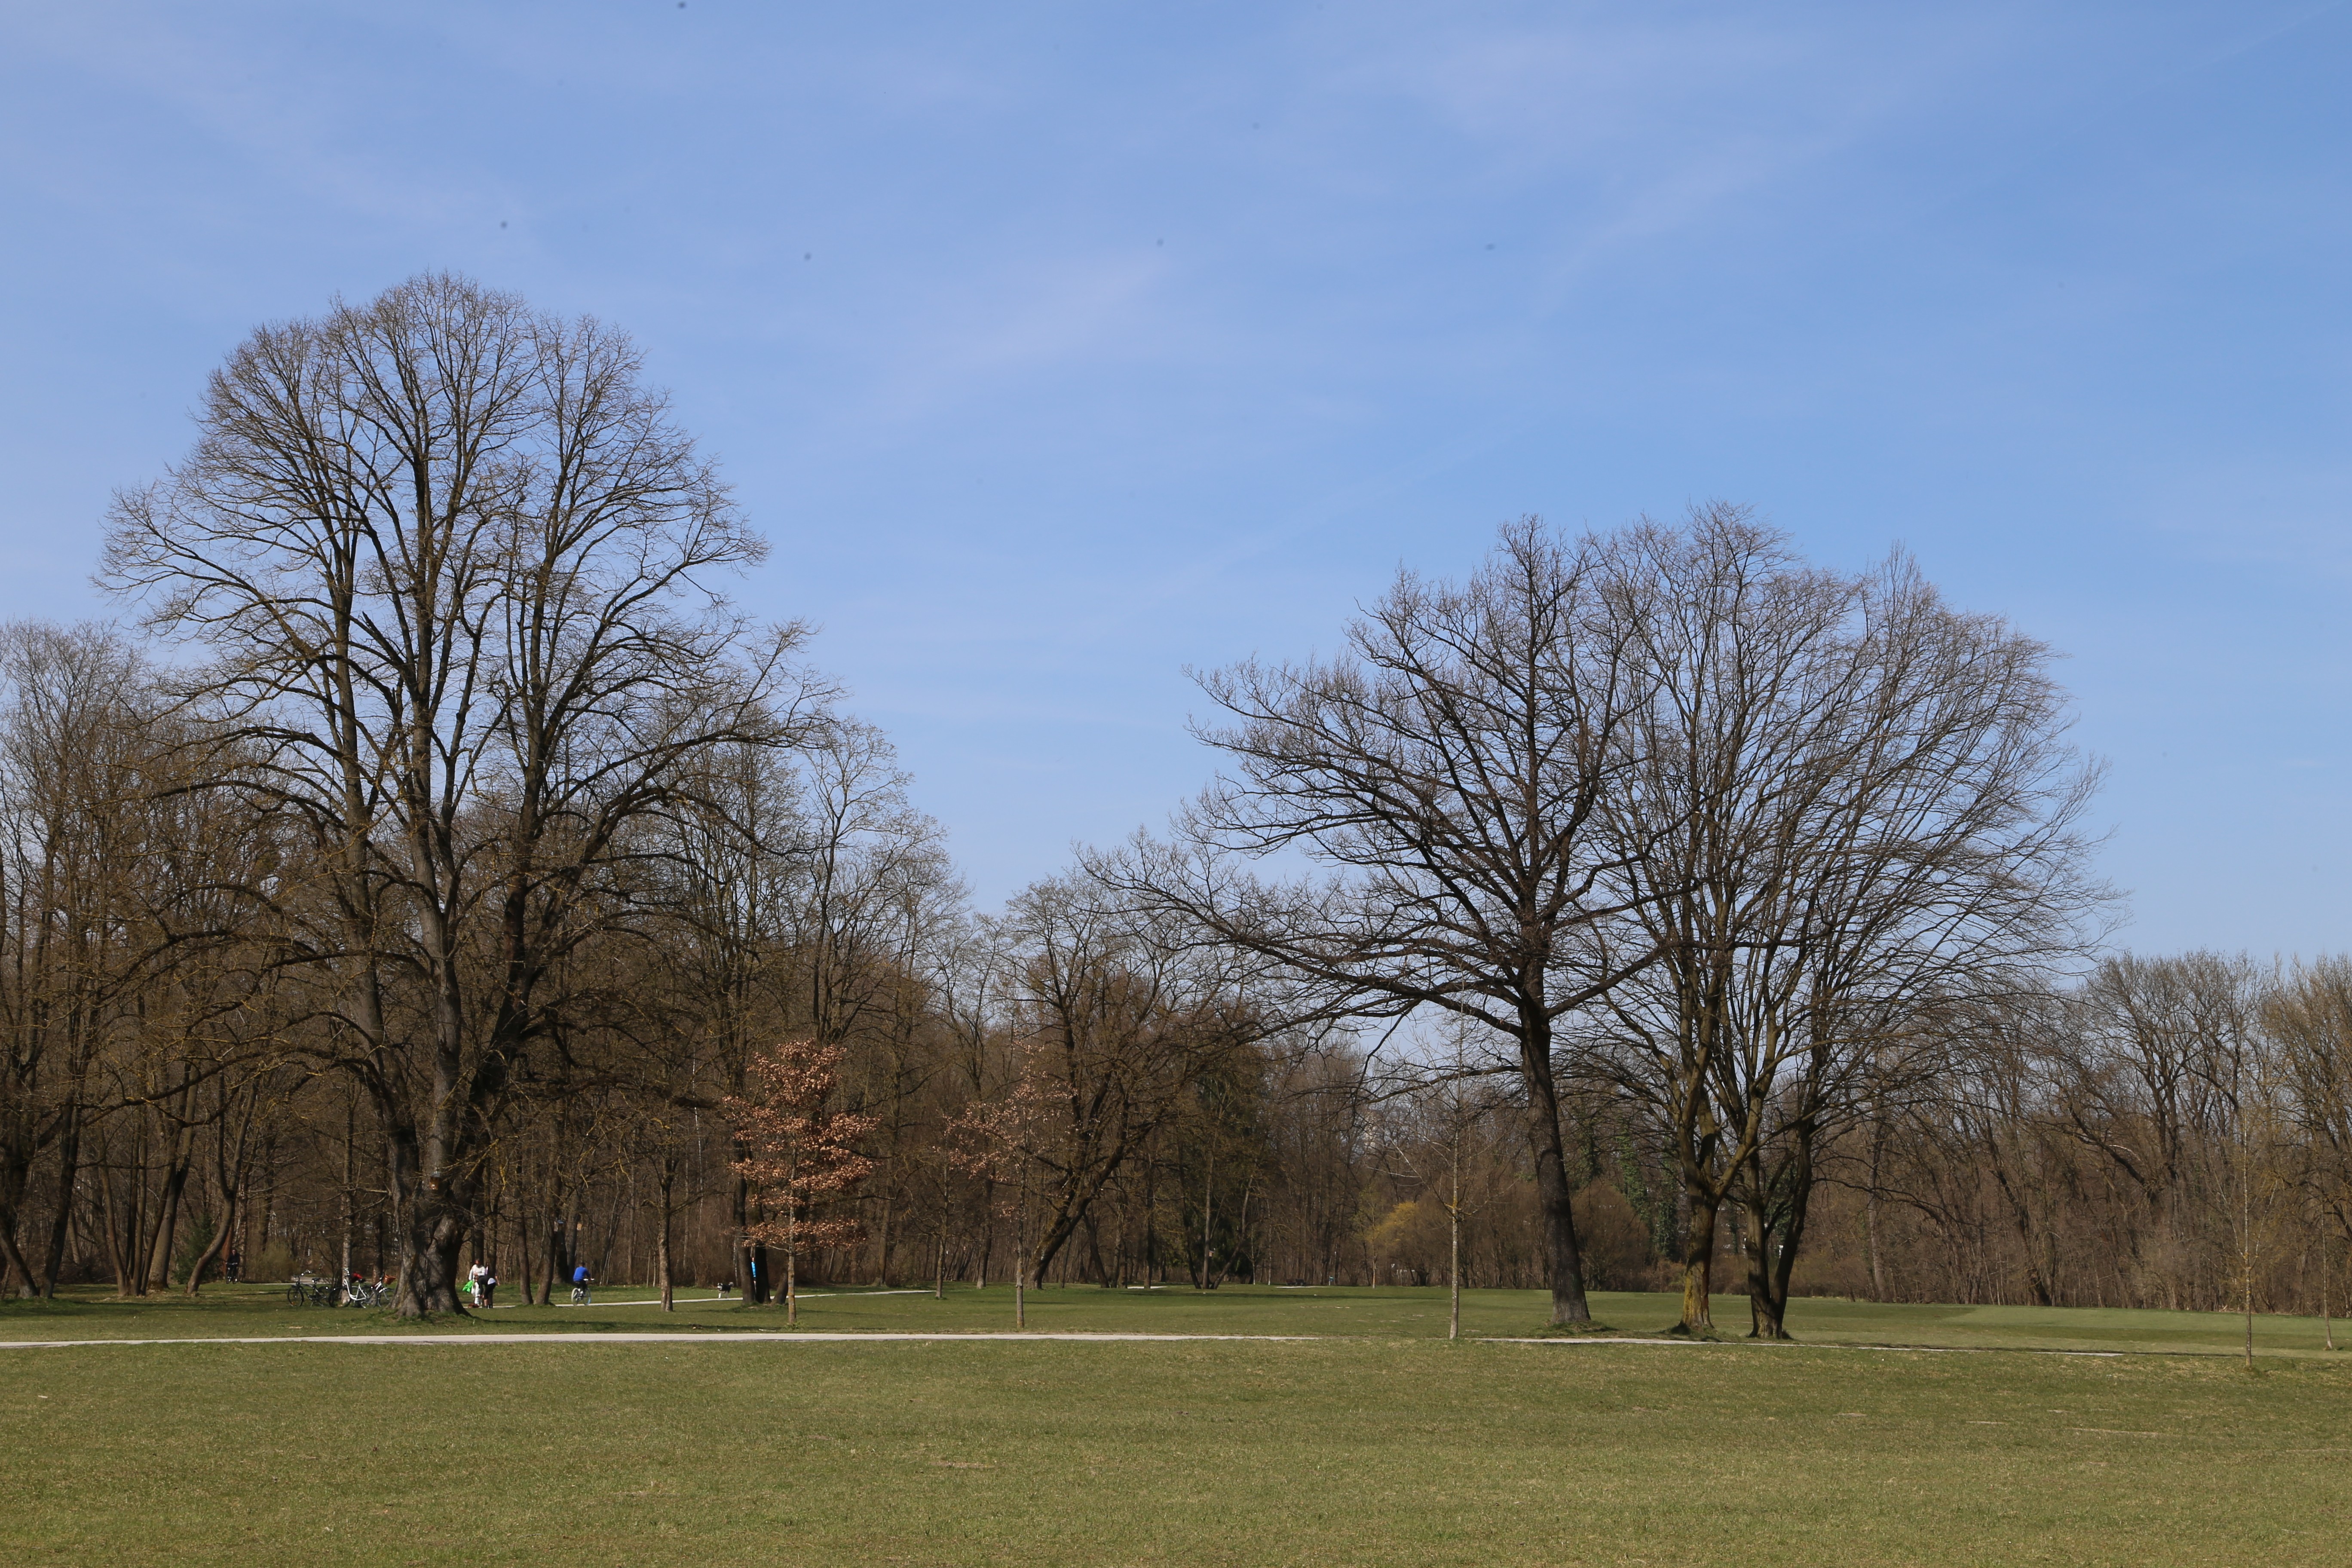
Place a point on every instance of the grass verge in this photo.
(1368, 1449)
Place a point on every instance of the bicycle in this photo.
(309, 1293)
(580, 1295)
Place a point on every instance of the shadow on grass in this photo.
(47, 1307)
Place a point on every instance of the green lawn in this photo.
(1378, 1444)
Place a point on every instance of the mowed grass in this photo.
(1369, 1450)
(262, 1311)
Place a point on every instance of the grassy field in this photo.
(1376, 1445)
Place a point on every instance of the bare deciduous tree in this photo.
(1844, 805)
(1447, 773)
(451, 561)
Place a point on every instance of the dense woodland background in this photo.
(433, 867)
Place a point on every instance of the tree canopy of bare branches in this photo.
(448, 563)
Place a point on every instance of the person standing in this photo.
(474, 1278)
(489, 1285)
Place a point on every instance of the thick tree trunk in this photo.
(1768, 1290)
(1563, 1259)
(1698, 1263)
(431, 1244)
(429, 1226)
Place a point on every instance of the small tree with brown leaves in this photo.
(803, 1152)
(1001, 1143)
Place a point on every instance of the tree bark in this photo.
(1698, 1263)
(1563, 1258)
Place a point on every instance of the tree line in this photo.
(438, 867)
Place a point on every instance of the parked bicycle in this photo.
(304, 1290)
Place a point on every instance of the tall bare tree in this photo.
(452, 562)
(1447, 773)
(1845, 805)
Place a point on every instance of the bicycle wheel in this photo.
(296, 1295)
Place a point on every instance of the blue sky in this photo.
(1058, 347)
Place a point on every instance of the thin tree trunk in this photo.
(1208, 1213)
(69, 1171)
(1453, 1253)
(1770, 1270)
(661, 1241)
(343, 1278)
(2246, 1224)
(2327, 1324)
(167, 1220)
(1870, 1213)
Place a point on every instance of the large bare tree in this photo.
(1845, 804)
(1447, 773)
(452, 562)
